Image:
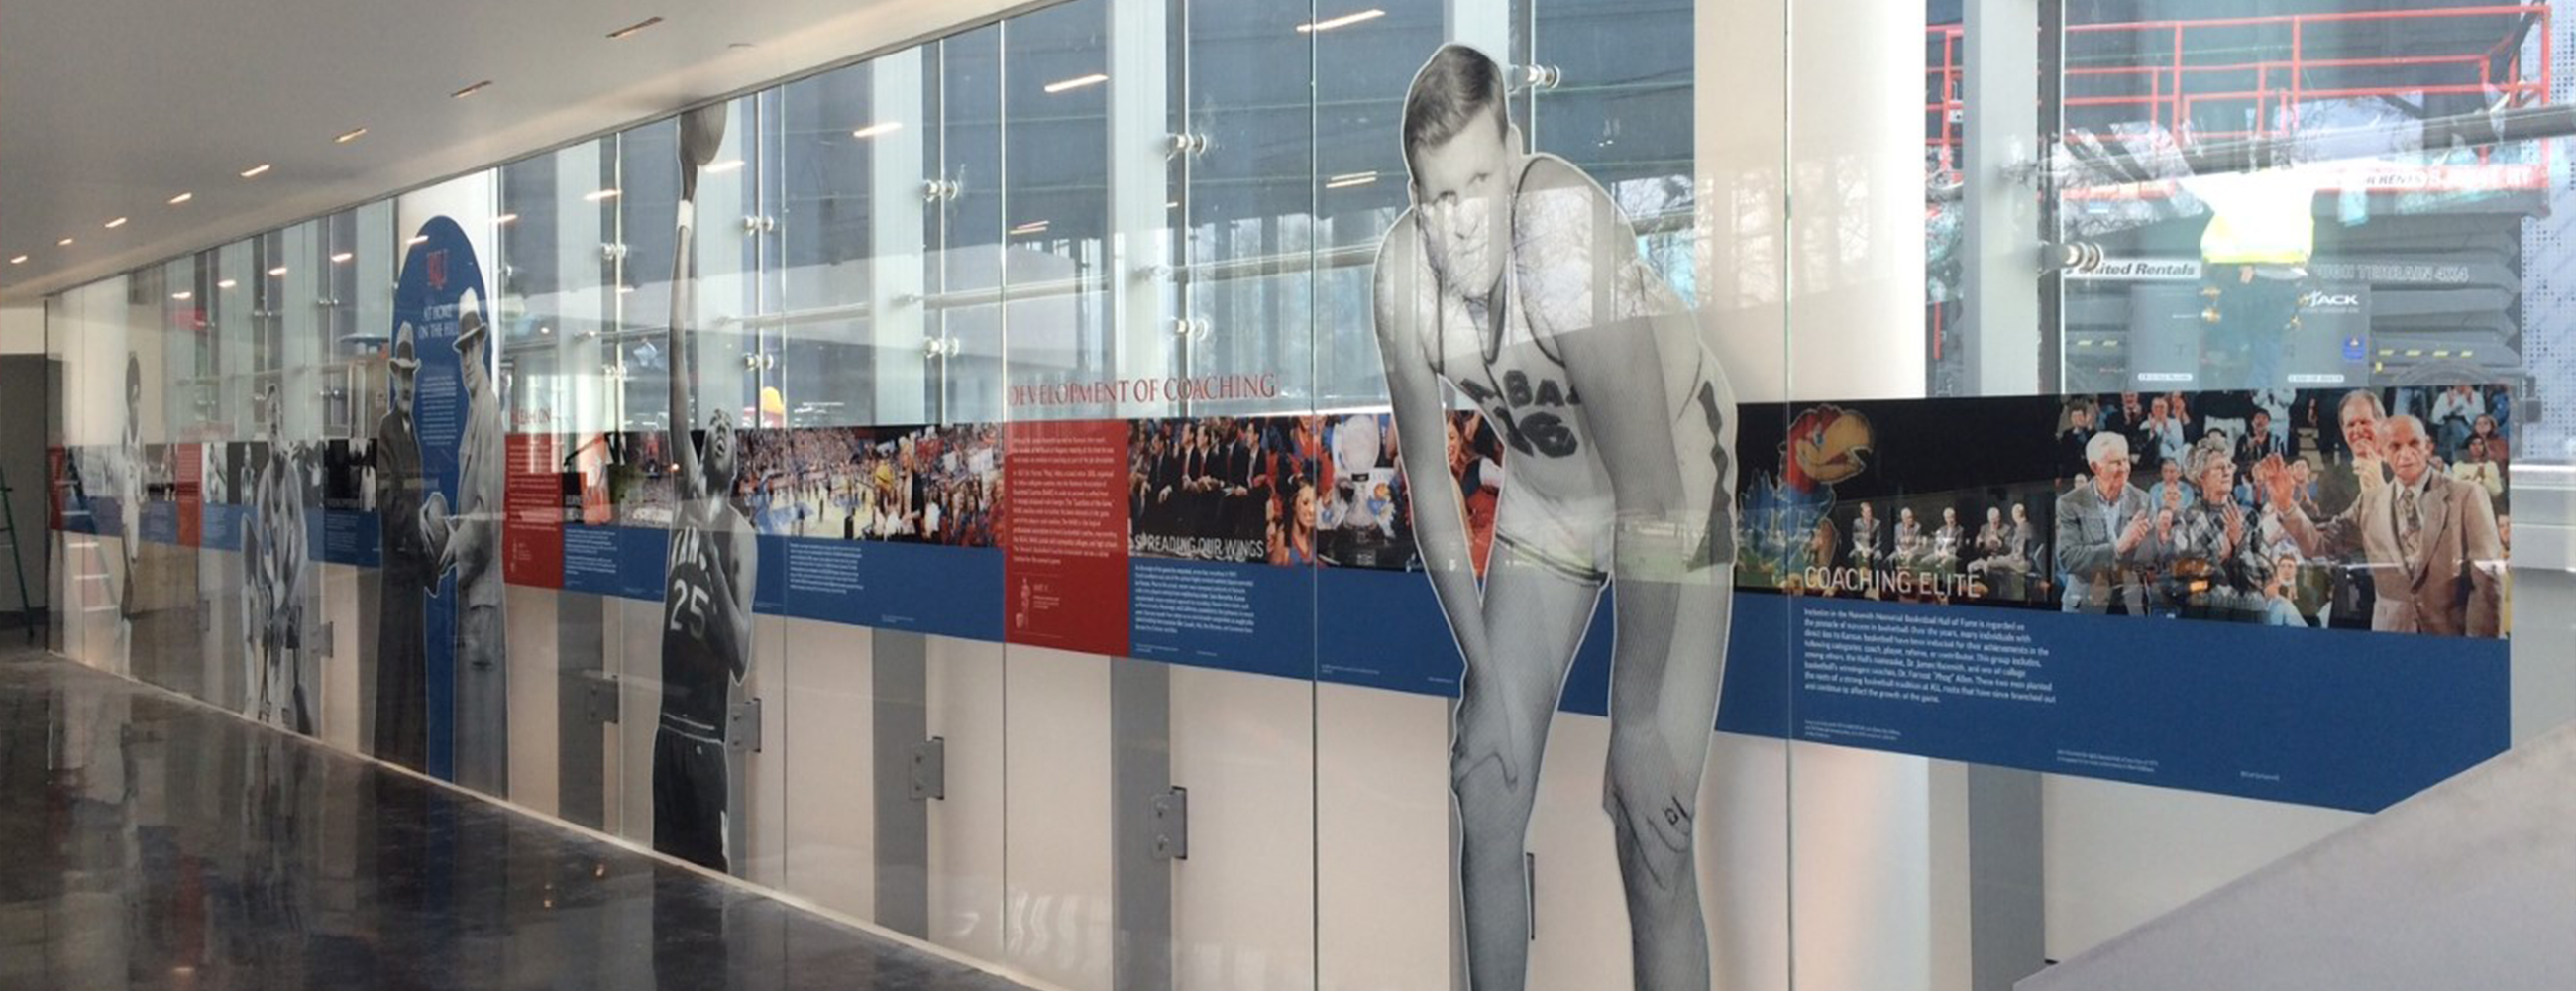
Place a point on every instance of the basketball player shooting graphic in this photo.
(706, 605)
(1516, 281)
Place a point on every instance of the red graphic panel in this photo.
(1064, 539)
(532, 536)
(189, 470)
(58, 484)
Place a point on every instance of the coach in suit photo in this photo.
(2429, 540)
(2099, 528)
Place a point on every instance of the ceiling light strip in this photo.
(1077, 82)
(1342, 21)
(629, 30)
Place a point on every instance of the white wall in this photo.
(1057, 888)
(969, 708)
(1243, 904)
(340, 689)
(1382, 872)
(2119, 854)
(22, 328)
(534, 711)
(830, 764)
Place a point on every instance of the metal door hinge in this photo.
(1172, 824)
(599, 698)
(930, 769)
(744, 733)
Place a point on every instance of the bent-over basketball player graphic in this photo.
(1515, 280)
(706, 602)
(273, 582)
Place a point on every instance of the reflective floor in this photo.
(147, 842)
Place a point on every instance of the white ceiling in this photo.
(108, 108)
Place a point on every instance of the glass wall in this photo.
(968, 488)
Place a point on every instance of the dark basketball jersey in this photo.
(695, 671)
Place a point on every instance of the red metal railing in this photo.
(2168, 79)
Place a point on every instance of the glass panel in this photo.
(1239, 730)
(829, 139)
(1062, 774)
(2326, 254)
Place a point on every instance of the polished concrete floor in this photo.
(149, 842)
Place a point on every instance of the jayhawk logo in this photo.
(1825, 445)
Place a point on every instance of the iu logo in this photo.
(437, 262)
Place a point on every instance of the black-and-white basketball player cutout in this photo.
(707, 596)
(1516, 281)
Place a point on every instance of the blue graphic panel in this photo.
(623, 561)
(2339, 718)
(1384, 629)
(929, 588)
(338, 536)
(221, 527)
(439, 278)
(1254, 618)
(104, 516)
(160, 523)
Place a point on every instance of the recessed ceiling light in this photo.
(1348, 180)
(1077, 82)
(64, 243)
(722, 167)
(504, 218)
(183, 295)
(116, 223)
(182, 198)
(604, 194)
(255, 171)
(880, 127)
(349, 135)
(343, 257)
(1344, 20)
(280, 270)
(226, 284)
(632, 28)
(1032, 227)
(20, 260)
(470, 90)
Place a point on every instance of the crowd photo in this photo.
(2383, 509)
(1365, 519)
(929, 485)
(1236, 489)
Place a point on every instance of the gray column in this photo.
(2007, 910)
(901, 713)
(586, 702)
(1140, 771)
